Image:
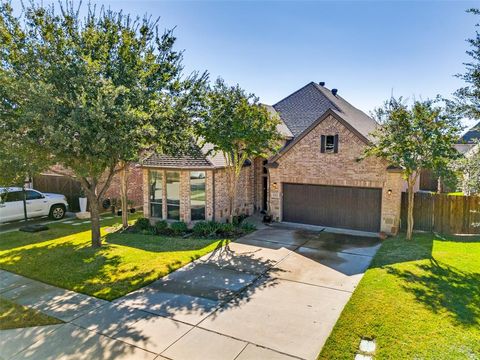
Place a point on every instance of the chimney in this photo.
(334, 92)
(322, 83)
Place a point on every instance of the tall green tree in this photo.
(469, 168)
(412, 138)
(468, 97)
(95, 90)
(238, 127)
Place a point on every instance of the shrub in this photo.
(237, 220)
(213, 228)
(162, 227)
(247, 227)
(143, 224)
(204, 228)
(179, 228)
(226, 229)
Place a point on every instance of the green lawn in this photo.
(62, 256)
(420, 299)
(14, 316)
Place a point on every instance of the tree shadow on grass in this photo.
(155, 243)
(444, 288)
(77, 267)
(437, 285)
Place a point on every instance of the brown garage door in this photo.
(333, 206)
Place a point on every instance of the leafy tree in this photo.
(239, 128)
(413, 138)
(469, 167)
(468, 97)
(90, 92)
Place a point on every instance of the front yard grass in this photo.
(62, 256)
(420, 299)
(14, 316)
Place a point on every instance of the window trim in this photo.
(157, 202)
(323, 144)
(192, 207)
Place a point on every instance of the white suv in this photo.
(38, 204)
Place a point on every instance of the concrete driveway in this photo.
(275, 294)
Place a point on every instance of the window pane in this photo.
(330, 143)
(197, 195)
(156, 210)
(156, 190)
(173, 195)
(33, 195)
(14, 196)
(156, 193)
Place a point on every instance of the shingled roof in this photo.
(471, 135)
(199, 158)
(306, 105)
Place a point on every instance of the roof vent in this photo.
(334, 92)
(322, 83)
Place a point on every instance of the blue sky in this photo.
(365, 49)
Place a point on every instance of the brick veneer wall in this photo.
(304, 163)
(245, 193)
(134, 189)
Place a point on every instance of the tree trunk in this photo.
(95, 218)
(410, 197)
(231, 189)
(439, 185)
(124, 196)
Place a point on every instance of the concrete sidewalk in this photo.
(274, 294)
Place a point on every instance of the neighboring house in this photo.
(52, 181)
(428, 180)
(316, 178)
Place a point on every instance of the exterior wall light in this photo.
(389, 191)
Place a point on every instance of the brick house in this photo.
(316, 178)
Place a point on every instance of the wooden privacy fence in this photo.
(443, 213)
(60, 185)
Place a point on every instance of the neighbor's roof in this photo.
(302, 108)
(198, 159)
(471, 135)
(463, 148)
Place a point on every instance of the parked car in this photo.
(38, 204)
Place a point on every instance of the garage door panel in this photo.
(333, 206)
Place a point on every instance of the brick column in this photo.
(209, 194)
(185, 213)
(146, 194)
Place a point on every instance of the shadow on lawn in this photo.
(75, 266)
(156, 243)
(444, 288)
(439, 286)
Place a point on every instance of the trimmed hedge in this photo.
(200, 229)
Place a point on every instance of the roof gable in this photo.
(306, 105)
(300, 109)
(327, 114)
